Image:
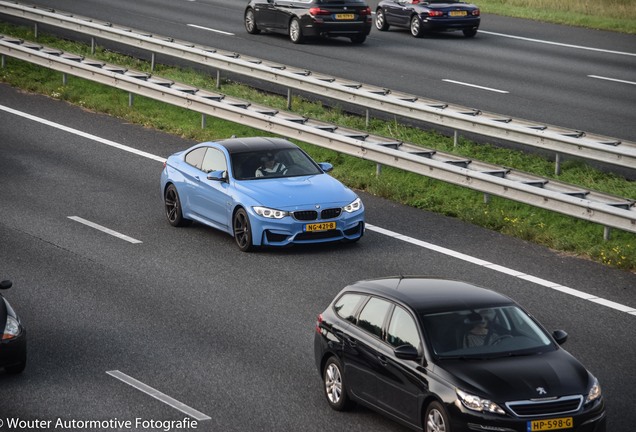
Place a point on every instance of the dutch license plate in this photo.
(325, 226)
(457, 13)
(551, 424)
(345, 16)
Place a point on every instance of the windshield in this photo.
(489, 332)
(288, 162)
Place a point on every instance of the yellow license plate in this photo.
(457, 13)
(345, 16)
(551, 424)
(325, 226)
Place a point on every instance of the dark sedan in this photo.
(13, 336)
(428, 16)
(301, 19)
(443, 355)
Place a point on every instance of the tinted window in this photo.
(297, 162)
(195, 157)
(347, 305)
(372, 316)
(402, 330)
(214, 160)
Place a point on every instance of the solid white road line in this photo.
(559, 44)
(612, 79)
(210, 29)
(104, 229)
(440, 249)
(476, 86)
(197, 415)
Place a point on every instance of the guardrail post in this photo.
(557, 164)
(607, 232)
(486, 198)
(3, 61)
(35, 30)
(203, 120)
(366, 121)
(93, 44)
(152, 62)
(455, 138)
(289, 99)
(131, 99)
(218, 79)
(378, 170)
(64, 79)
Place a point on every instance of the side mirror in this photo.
(6, 284)
(560, 336)
(406, 352)
(326, 166)
(217, 175)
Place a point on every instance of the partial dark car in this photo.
(421, 17)
(445, 355)
(302, 19)
(262, 191)
(13, 336)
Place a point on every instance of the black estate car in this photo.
(301, 19)
(444, 355)
(428, 16)
(13, 336)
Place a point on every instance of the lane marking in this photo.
(559, 44)
(612, 79)
(492, 266)
(477, 261)
(210, 29)
(105, 230)
(82, 134)
(197, 415)
(476, 86)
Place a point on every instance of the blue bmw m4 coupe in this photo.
(262, 191)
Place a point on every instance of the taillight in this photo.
(317, 11)
(365, 11)
(318, 323)
(475, 12)
(435, 13)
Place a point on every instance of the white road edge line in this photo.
(104, 229)
(197, 415)
(505, 270)
(559, 44)
(210, 29)
(440, 249)
(612, 79)
(476, 86)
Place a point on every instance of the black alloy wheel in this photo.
(173, 208)
(436, 419)
(242, 230)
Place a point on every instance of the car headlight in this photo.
(270, 213)
(476, 403)
(11, 329)
(354, 206)
(594, 393)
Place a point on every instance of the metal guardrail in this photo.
(608, 210)
(546, 137)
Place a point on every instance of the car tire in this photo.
(435, 418)
(358, 39)
(16, 368)
(416, 27)
(250, 22)
(296, 31)
(242, 230)
(469, 33)
(334, 386)
(173, 207)
(380, 20)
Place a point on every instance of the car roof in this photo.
(428, 295)
(249, 144)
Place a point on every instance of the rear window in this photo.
(347, 305)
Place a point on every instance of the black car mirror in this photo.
(406, 352)
(6, 284)
(560, 336)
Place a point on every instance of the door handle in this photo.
(383, 360)
(351, 341)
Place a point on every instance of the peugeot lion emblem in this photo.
(541, 391)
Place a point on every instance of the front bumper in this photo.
(13, 351)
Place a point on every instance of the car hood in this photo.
(291, 193)
(520, 378)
